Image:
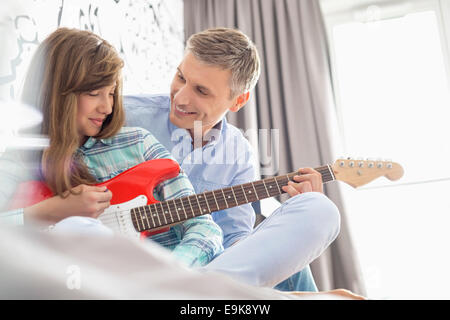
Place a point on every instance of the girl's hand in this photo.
(90, 201)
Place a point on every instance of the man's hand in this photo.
(309, 180)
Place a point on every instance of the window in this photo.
(390, 74)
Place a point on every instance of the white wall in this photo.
(147, 33)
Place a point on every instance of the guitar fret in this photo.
(235, 199)
(206, 200)
(271, 184)
(242, 187)
(267, 191)
(169, 202)
(225, 198)
(330, 170)
(278, 185)
(151, 214)
(177, 209)
(166, 211)
(139, 217)
(142, 219)
(162, 212)
(218, 208)
(251, 193)
(142, 215)
(331, 173)
(257, 190)
(136, 219)
(256, 193)
(190, 204)
(200, 207)
(184, 208)
(146, 217)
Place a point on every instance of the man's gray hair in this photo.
(231, 50)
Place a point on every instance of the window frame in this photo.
(441, 9)
(391, 9)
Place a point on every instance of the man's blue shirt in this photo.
(227, 159)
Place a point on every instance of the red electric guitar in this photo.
(134, 209)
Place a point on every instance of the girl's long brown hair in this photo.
(67, 63)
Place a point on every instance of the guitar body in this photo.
(141, 180)
(131, 184)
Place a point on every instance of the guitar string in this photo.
(145, 222)
(206, 198)
(330, 176)
(172, 209)
(238, 196)
(260, 183)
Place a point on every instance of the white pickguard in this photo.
(118, 217)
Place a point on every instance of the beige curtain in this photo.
(294, 95)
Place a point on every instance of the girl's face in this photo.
(93, 108)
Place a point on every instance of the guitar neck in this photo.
(162, 214)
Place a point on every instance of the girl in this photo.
(75, 80)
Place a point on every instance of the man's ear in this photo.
(240, 101)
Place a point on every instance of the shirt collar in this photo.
(211, 136)
(92, 141)
(214, 135)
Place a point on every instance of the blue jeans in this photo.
(283, 244)
(301, 281)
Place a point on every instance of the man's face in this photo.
(200, 92)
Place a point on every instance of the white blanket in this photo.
(42, 265)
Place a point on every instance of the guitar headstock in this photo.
(360, 172)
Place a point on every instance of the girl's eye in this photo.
(93, 93)
(180, 77)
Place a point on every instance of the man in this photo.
(219, 69)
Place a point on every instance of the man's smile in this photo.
(179, 110)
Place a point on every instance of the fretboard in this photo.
(165, 213)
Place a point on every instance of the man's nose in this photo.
(181, 95)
